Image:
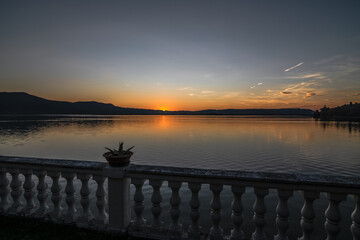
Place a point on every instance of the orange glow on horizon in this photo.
(178, 103)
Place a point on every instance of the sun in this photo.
(164, 109)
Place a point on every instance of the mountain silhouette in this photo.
(24, 103)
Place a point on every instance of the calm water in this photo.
(270, 144)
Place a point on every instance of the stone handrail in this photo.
(117, 197)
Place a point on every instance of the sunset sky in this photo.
(179, 55)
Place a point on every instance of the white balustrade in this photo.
(56, 197)
(102, 217)
(308, 214)
(259, 213)
(216, 231)
(175, 229)
(112, 192)
(16, 191)
(85, 200)
(4, 191)
(139, 223)
(237, 213)
(157, 225)
(333, 215)
(42, 194)
(71, 212)
(194, 229)
(29, 192)
(282, 211)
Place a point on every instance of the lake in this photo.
(249, 143)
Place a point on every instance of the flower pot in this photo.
(118, 161)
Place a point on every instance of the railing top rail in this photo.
(264, 177)
(202, 175)
(62, 163)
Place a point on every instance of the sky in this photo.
(183, 55)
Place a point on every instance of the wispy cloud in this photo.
(186, 89)
(258, 84)
(269, 91)
(191, 94)
(317, 75)
(303, 86)
(159, 84)
(291, 68)
(207, 92)
(286, 93)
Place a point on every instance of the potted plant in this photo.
(118, 157)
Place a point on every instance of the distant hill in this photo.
(24, 103)
(349, 111)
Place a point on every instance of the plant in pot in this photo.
(118, 157)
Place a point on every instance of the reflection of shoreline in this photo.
(53, 117)
(350, 126)
(24, 128)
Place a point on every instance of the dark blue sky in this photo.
(183, 54)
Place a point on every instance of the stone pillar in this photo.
(216, 232)
(4, 191)
(29, 192)
(118, 197)
(308, 214)
(237, 212)
(259, 213)
(175, 228)
(139, 223)
(282, 211)
(194, 229)
(42, 194)
(333, 215)
(156, 209)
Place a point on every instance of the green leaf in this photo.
(129, 149)
(121, 144)
(110, 150)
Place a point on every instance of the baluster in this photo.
(259, 213)
(237, 212)
(139, 223)
(29, 192)
(308, 214)
(216, 231)
(4, 191)
(282, 211)
(175, 228)
(194, 229)
(333, 215)
(355, 216)
(85, 200)
(156, 204)
(70, 198)
(16, 191)
(102, 217)
(56, 195)
(42, 194)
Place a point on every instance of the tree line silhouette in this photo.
(349, 111)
